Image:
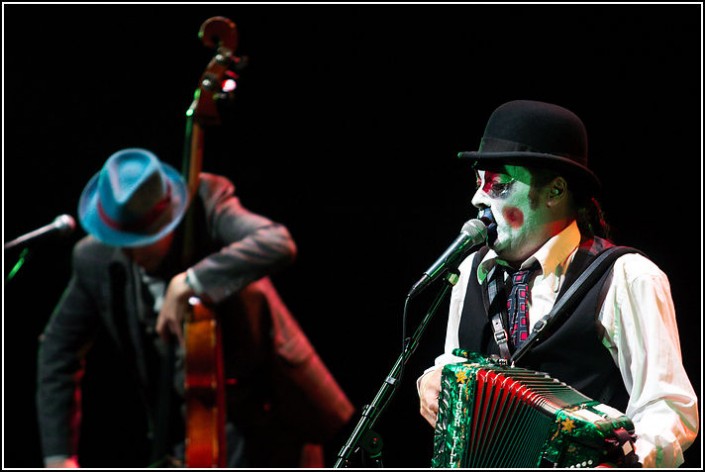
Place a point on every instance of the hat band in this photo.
(142, 223)
(503, 145)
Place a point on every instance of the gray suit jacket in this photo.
(279, 386)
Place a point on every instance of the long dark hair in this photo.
(591, 218)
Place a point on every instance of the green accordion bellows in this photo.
(494, 415)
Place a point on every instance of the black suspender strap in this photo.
(501, 336)
(495, 301)
(575, 292)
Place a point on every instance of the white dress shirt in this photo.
(640, 333)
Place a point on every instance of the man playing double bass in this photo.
(129, 282)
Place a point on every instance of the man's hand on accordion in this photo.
(429, 391)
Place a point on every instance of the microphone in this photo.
(62, 225)
(474, 232)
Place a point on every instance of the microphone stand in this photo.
(371, 413)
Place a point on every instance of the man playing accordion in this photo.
(619, 344)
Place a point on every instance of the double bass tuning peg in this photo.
(239, 63)
(228, 81)
(232, 64)
(228, 84)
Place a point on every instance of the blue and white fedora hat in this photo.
(135, 200)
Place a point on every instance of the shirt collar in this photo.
(554, 252)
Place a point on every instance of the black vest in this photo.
(572, 352)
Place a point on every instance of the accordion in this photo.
(494, 415)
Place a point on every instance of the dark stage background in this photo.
(345, 128)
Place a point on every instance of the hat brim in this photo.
(94, 225)
(536, 159)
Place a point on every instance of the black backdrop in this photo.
(345, 128)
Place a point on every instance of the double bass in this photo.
(204, 373)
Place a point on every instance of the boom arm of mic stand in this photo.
(372, 412)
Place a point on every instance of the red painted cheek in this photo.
(513, 216)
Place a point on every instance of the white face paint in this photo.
(521, 229)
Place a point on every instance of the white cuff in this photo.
(193, 282)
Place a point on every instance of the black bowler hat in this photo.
(536, 134)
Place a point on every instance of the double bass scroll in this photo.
(219, 33)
